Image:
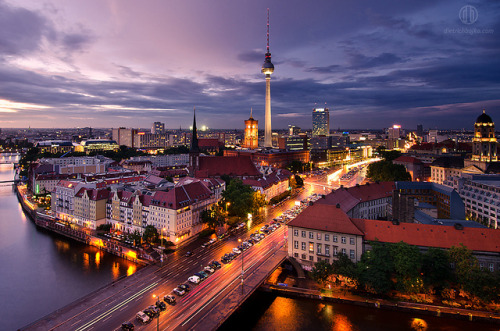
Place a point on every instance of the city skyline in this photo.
(111, 64)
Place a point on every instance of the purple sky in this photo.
(105, 63)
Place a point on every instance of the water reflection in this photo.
(115, 270)
(131, 269)
(97, 259)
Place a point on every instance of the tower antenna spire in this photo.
(267, 48)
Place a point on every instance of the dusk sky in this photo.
(110, 63)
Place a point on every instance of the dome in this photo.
(483, 118)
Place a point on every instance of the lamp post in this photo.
(242, 270)
(157, 317)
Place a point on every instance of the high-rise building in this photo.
(268, 69)
(394, 132)
(158, 128)
(251, 133)
(124, 136)
(293, 130)
(320, 122)
(420, 130)
(484, 143)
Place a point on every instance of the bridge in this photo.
(205, 307)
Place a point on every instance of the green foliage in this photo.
(376, 268)
(104, 227)
(385, 171)
(177, 150)
(436, 271)
(240, 197)
(206, 233)
(466, 264)
(296, 166)
(321, 271)
(390, 155)
(344, 266)
(299, 181)
(150, 234)
(407, 261)
(280, 197)
(213, 217)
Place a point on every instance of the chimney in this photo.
(337, 205)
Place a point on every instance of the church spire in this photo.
(251, 114)
(194, 138)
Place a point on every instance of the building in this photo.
(395, 132)
(362, 201)
(320, 122)
(484, 143)
(274, 158)
(417, 169)
(293, 143)
(55, 146)
(445, 199)
(420, 130)
(124, 136)
(168, 160)
(446, 166)
(320, 233)
(97, 145)
(481, 196)
(293, 130)
(158, 128)
(90, 207)
(482, 242)
(251, 139)
(271, 185)
(146, 140)
(268, 69)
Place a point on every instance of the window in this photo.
(296, 233)
(303, 246)
(335, 239)
(344, 251)
(303, 234)
(351, 241)
(296, 244)
(296, 254)
(327, 237)
(452, 265)
(481, 266)
(318, 236)
(318, 248)
(491, 267)
(311, 258)
(335, 251)
(343, 240)
(351, 254)
(311, 235)
(311, 247)
(303, 256)
(327, 250)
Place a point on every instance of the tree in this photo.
(390, 155)
(436, 269)
(150, 234)
(240, 198)
(385, 171)
(321, 271)
(258, 200)
(299, 181)
(407, 261)
(213, 217)
(297, 166)
(466, 264)
(344, 266)
(376, 268)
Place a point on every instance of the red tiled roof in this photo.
(181, 196)
(210, 166)
(94, 194)
(325, 218)
(408, 159)
(209, 142)
(269, 180)
(440, 236)
(350, 197)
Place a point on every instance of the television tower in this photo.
(268, 69)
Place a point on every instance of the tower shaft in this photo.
(268, 131)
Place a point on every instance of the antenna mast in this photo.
(267, 30)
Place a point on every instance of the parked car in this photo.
(142, 317)
(203, 275)
(161, 305)
(236, 250)
(194, 279)
(189, 253)
(128, 326)
(185, 287)
(178, 291)
(209, 269)
(215, 265)
(170, 299)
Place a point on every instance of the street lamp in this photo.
(227, 205)
(158, 316)
(242, 271)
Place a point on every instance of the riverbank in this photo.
(50, 223)
(308, 289)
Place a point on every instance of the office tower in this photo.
(420, 130)
(320, 122)
(251, 133)
(268, 69)
(158, 128)
(394, 132)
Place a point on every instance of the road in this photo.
(110, 312)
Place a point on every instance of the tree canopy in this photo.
(385, 171)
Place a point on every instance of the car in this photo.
(215, 265)
(142, 317)
(154, 309)
(202, 274)
(209, 269)
(188, 253)
(161, 305)
(128, 326)
(151, 314)
(194, 279)
(178, 291)
(170, 299)
(212, 240)
(205, 244)
(236, 250)
(185, 287)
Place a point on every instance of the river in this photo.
(42, 271)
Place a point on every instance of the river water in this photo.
(41, 271)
